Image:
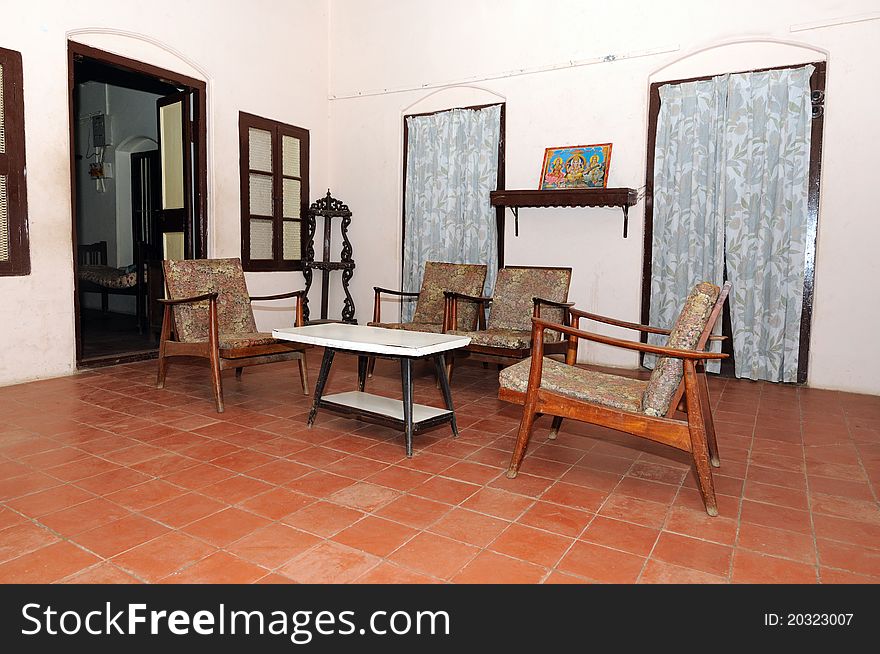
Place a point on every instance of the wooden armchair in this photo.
(672, 407)
(467, 278)
(208, 314)
(519, 295)
(430, 315)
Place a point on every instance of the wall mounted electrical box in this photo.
(99, 170)
(100, 130)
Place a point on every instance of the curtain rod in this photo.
(511, 73)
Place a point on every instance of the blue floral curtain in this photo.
(451, 166)
(768, 144)
(731, 169)
(688, 237)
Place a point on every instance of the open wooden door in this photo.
(174, 232)
(174, 218)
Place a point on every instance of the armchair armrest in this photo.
(648, 329)
(377, 303)
(455, 295)
(189, 300)
(279, 296)
(299, 295)
(213, 330)
(552, 303)
(450, 309)
(379, 289)
(539, 324)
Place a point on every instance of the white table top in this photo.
(378, 340)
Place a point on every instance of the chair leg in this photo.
(303, 373)
(700, 452)
(450, 363)
(163, 338)
(371, 364)
(216, 381)
(522, 440)
(699, 444)
(163, 367)
(554, 428)
(712, 442)
(238, 372)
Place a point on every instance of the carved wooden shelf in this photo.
(571, 197)
(328, 207)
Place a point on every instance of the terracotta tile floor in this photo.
(105, 479)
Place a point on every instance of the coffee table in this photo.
(367, 342)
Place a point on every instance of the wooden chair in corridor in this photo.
(208, 314)
(672, 407)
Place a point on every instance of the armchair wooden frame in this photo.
(377, 300)
(223, 359)
(406, 296)
(499, 355)
(687, 426)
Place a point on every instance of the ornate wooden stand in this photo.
(330, 208)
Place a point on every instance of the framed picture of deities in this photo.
(576, 166)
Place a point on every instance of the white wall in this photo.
(264, 56)
(387, 60)
(270, 58)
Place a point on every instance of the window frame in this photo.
(13, 166)
(278, 130)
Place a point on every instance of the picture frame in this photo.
(576, 166)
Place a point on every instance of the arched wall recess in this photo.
(448, 97)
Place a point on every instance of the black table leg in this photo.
(322, 380)
(406, 378)
(440, 363)
(362, 371)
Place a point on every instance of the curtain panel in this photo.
(451, 166)
(731, 171)
(688, 238)
(767, 173)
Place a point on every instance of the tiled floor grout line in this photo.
(735, 543)
(809, 498)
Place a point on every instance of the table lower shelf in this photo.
(384, 410)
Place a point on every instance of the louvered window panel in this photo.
(290, 156)
(274, 160)
(261, 195)
(2, 117)
(4, 221)
(291, 238)
(260, 150)
(292, 192)
(261, 239)
(14, 242)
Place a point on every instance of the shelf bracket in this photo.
(625, 219)
(515, 211)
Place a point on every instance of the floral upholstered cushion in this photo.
(514, 339)
(107, 276)
(410, 326)
(512, 305)
(587, 385)
(684, 335)
(194, 277)
(232, 341)
(467, 278)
